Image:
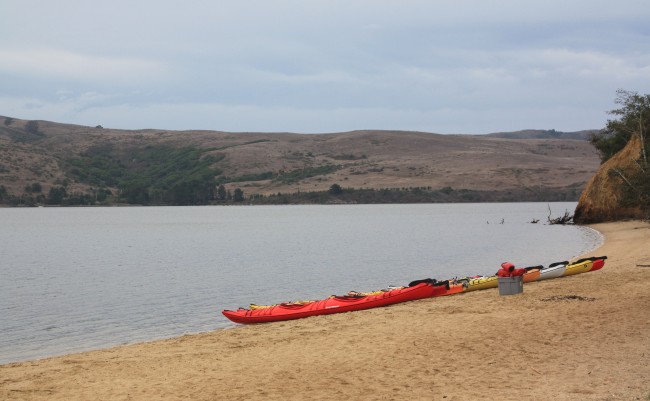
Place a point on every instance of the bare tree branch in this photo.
(642, 135)
(620, 173)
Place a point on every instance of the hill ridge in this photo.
(53, 154)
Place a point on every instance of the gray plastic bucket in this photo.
(511, 285)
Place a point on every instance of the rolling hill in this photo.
(36, 156)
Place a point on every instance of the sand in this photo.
(584, 337)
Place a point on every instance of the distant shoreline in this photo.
(353, 196)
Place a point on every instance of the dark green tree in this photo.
(335, 189)
(238, 195)
(56, 195)
(221, 193)
(633, 118)
(32, 127)
(135, 191)
(191, 192)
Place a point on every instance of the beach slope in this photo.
(584, 337)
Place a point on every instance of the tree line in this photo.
(60, 195)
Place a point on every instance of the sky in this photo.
(319, 66)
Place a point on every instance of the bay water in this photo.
(76, 279)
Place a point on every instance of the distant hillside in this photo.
(544, 134)
(53, 163)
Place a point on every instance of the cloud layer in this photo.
(322, 66)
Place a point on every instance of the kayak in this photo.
(554, 270)
(419, 289)
(481, 283)
(581, 266)
(532, 275)
(561, 269)
(453, 289)
(335, 304)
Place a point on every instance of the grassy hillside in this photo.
(44, 162)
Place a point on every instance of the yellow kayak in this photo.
(581, 267)
(481, 283)
(292, 303)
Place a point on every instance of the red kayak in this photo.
(335, 304)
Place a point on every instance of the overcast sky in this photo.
(314, 66)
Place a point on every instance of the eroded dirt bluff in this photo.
(601, 199)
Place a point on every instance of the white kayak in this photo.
(553, 271)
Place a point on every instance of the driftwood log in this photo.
(567, 218)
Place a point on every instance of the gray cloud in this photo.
(322, 66)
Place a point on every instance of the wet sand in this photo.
(584, 337)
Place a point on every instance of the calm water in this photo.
(73, 279)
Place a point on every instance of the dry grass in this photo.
(601, 199)
(368, 159)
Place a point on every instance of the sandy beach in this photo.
(584, 337)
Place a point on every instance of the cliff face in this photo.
(601, 199)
